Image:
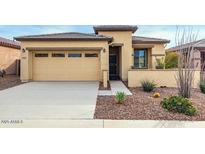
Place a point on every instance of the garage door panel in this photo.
(66, 69)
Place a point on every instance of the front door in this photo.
(114, 66)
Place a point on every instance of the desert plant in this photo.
(160, 63)
(186, 71)
(171, 60)
(202, 86)
(148, 86)
(179, 104)
(120, 97)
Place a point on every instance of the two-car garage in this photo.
(65, 65)
(67, 56)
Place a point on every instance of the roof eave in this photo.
(184, 48)
(62, 39)
(133, 29)
(150, 42)
(10, 45)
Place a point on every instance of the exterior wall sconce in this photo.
(23, 50)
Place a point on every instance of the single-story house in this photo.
(111, 53)
(9, 55)
(198, 54)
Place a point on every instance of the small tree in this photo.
(186, 70)
(171, 60)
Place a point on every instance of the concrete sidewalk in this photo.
(115, 87)
(119, 86)
(101, 124)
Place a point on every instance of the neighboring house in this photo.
(9, 56)
(111, 53)
(198, 54)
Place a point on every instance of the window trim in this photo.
(146, 58)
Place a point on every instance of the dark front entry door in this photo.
(114, 66)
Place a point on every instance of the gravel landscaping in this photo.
(142, 106)
(9, 81)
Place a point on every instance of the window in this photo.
(74, 55)
(58, 55)
(140, 58)
(91, 55)
(41, 55)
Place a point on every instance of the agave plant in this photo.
(147, 85)
(120, 96)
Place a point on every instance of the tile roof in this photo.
(140, 40)
(9, 43)
(90, 36)
(65, 36)
(115, 28)
(195, 44)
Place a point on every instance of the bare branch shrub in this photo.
(186, 69)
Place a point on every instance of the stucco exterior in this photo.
(126, 54)
(158, 51)
(160, 77)
(8, 59)
(126, 57)
(77, 69)
(27, 56)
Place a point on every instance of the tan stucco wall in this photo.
(126, 60)
(8, 57)
(105, 78)
(26, 63)
(158, 49)
(126, 53)
(160, 77)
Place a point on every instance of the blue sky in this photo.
(158, 31)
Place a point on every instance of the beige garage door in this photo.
(66, 66)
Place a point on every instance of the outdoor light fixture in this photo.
(23, 50)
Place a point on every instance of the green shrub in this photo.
(171, 60)
(202, 86)
(148, 86)
(179, 104)
(120, 96)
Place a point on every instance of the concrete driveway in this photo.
(49, 100)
